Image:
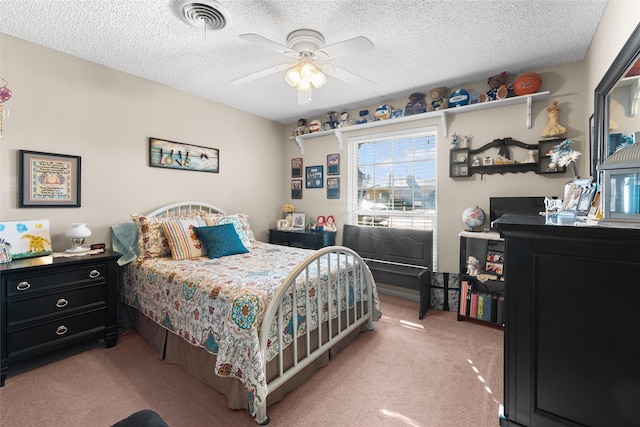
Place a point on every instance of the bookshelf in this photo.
(482, 284)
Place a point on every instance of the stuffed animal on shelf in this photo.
(498, 88)
(415, 104)
(344, 120)
(314, 126)
(439, 100)
(302, 128)
(364, 117)
(332, 123)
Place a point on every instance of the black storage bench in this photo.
(397, 257)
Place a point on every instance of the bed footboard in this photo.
(353, 292)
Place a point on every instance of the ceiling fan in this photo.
(308, 49)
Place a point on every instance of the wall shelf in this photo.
(339, 133)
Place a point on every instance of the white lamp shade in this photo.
(78, 230)
(292, 77)
(319, 80)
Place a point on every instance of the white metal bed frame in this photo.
(356, 315)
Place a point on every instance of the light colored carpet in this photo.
(408, 372)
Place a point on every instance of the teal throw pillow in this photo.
(220, 240)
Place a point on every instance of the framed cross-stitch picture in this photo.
(296, 189)
(296, 167)
(48, 180)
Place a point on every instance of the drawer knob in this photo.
(23, 286)
(61, 303)
(61, 330)
(94, 273)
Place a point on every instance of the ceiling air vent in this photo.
(203, 14)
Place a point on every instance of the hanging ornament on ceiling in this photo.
(5, 95)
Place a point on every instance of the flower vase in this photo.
(289, 219)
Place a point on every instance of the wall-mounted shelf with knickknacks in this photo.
(442, 114)
(464, 162)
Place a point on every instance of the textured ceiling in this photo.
(418, 44)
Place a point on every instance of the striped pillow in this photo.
(183, 241)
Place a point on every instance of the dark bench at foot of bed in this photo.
(397, 257)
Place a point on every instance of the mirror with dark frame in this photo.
(617, 104)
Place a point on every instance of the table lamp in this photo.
(78, 232)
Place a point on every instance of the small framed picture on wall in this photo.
(333, 188)
(315, 176)
(296, 167)
(296, 189)
(333, 164)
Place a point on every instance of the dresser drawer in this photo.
(22, 310)
(24, 284)
(22, 339)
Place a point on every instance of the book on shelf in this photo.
(480, 313)
(464, 290)
(487, 307)
(474, 305)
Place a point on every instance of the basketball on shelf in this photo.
(527, 83)
(473, 218)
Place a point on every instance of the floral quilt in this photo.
(218, 304)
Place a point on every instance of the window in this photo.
(392, 180)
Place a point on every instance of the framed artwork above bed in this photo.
(176, 155)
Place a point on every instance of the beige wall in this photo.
(65, 105)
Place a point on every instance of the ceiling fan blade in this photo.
(344, 75)
(269, 44)
(344, 48)
(260, 74)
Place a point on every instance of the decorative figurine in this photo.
(383, 112)
(314, 126)
(466, 141)
(415, 104)
(472, 266)
(498, 88)
(439, 99)
(476, 161)
(454, 140)
(553, 128)
(531, 157)
(302, 128)
(332, 123)
(344, 120)
(331, 224)
(364, 117)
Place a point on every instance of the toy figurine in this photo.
(332, 123)
(302, 128)
(498, 88)
(439, 99)
(344, 120)
(415, 105)
(454, 140)
(314, 126)
(364, 117)
(331, 224)
(383, 112)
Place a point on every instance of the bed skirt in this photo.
(199, 363)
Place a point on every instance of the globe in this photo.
(473, 218)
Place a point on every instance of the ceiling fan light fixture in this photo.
(292, 76)
(319, 80)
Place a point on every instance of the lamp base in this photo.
(78, 250)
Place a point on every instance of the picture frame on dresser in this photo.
(48, 180)
(298, 220)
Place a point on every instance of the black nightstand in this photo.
(302, 238)
(48, 303)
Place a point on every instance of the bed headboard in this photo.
(185, 208)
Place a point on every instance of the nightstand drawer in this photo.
(24, 284)
(60, 302)
(45, 333)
